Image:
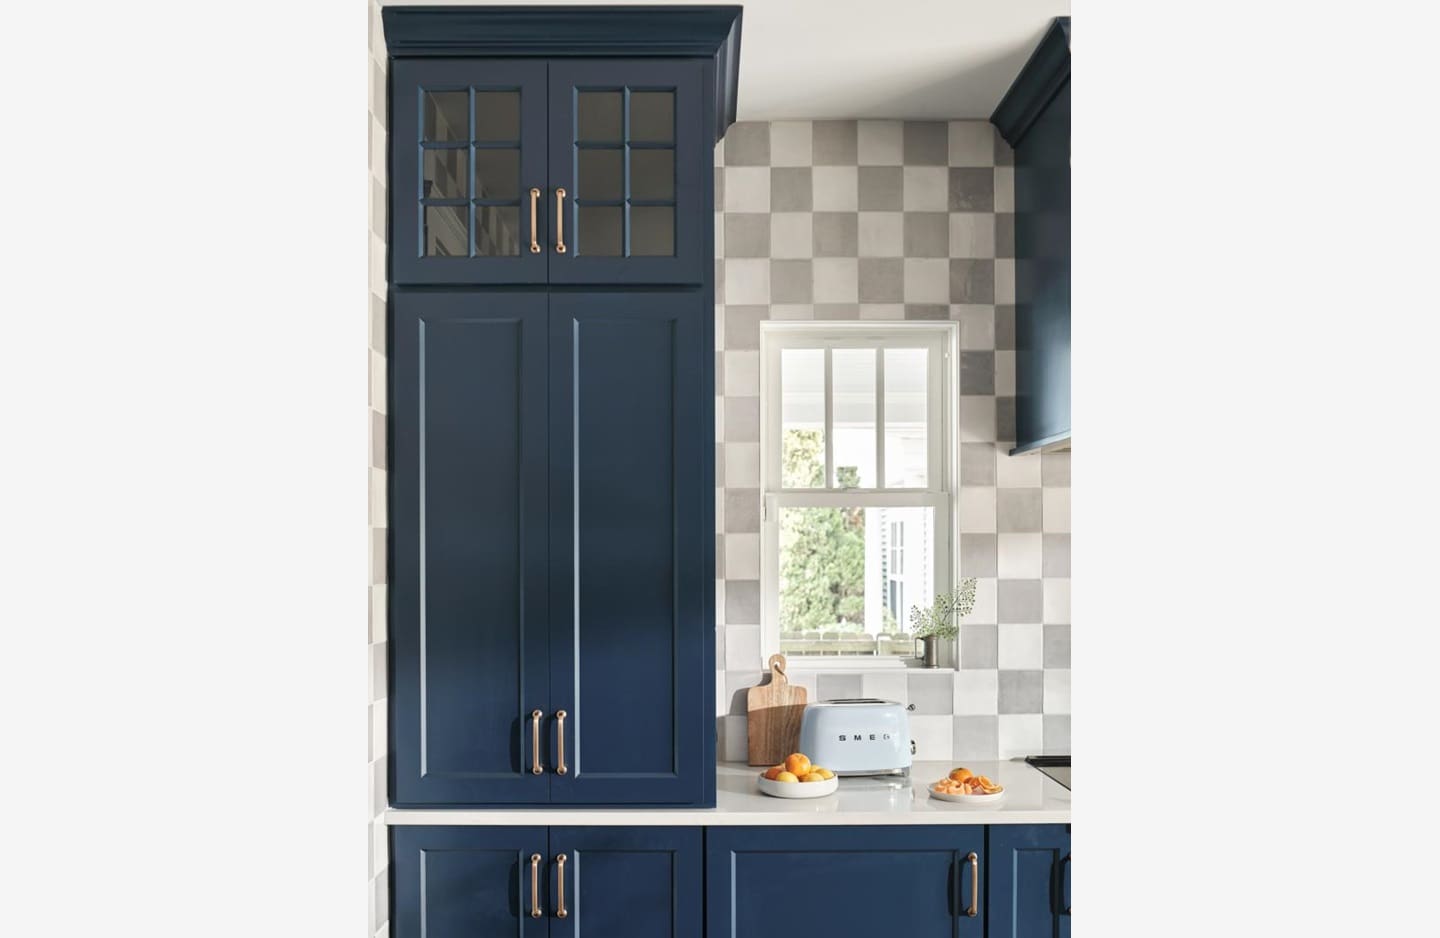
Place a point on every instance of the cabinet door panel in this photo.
(467, 144)
(636, 882)
(1029, 881)
(875, 881)
(464, 882)
(632, 525)
(628, 145)
(469, 640)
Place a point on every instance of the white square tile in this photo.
(882, 234)
(747, 189)
(1019, 556)
(1056, 609)
(791, 143)
(972, 234)
(807, 680)
(747, 281)
(881, 311)
(1018, 472)
(836, 280)
(927, 280)
(886, 685)
(742, 647)
(379, 613)
(1004, 188)
(742, 465)
(734, 745)
(977, 692)
(927, 189)
(934, 736)
(835, 188)
(742, 373)
(977, 509)
(378, 515)
(377, 382)
(977, 422)
(719, 420)
(986, 602)
(742, 556)
(1004, 280)
(1057, 690)
(1021, 734)
(792, 311)
(879, 143)
(977, 326)
(1005, 374)
(722, 696)
(1055, 511)
(972, 143)
(720, 153)
(791, 235)
(1022, 647)
(719, 234)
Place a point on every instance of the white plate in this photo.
(798, 789)
(967, 799)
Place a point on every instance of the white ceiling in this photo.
(927, 59)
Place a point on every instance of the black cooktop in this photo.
(1057, 767)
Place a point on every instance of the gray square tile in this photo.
(377, 323)
(972, 189)
(1005, 328)
(719, 373)
(931, 311)
(976, 738)
(979, 555)
(747, 143)
(742, 513)
(742, 326)
(737, 689)
(1004, 155)
(882, 189)
(979, 646)
(719, 280)
(790, 281)
(977, 372)
(1005, 234)
(837, 686)
(1056, 730)
(377, 439)
(791, 189)
(927, 234)
(836, 234)
(927, 143)
(972, 280)
(1057, 646)
(932, 691)
(747, 234)
(1005, 418)
(1018, 601)
(719, 186)
(834, 143)
(1056, 557)
(742, 602)
(1055, 470)
(837, 310)
(719, 483)
(882, 280)
(1022, 691)
(1017, 510)
(977, 461)
(742, 420)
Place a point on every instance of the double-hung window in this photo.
(856, 473)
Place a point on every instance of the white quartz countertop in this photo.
(1030, 798)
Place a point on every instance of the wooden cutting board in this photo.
(773, 716)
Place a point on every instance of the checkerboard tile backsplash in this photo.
(879, 219)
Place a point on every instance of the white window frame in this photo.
(941, 339)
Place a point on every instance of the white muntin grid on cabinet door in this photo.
(885, 220)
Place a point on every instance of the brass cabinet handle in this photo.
(534, 232)
(560, 221)
(535, 885)
(1064, 895)
(560, 887)
(560, 768)
(535, 767)
(974, 885)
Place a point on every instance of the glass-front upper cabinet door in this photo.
(467, 171)
(630, 172)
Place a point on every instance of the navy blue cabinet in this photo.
(1029, 883)
(911, 880)
(534, 882)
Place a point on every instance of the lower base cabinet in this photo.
(1029, 881)
(546, 882)
(844, 881)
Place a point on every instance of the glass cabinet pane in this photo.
(652, 116)
(497, 230)
(497, 116)
(446, 116)
(598, 116)
(601, 175)
(652, 231)
(444, 174)
(601, 231)
(446, 234)
(497, 174)
(652, 174)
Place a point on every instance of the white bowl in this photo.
(967, 799)
(798, 789)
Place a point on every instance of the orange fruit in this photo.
(773, 771)
(825, 773)
(798, 763)
(960, 775)
(786, 777)
(813, 777)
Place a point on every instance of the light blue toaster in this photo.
(857, 737)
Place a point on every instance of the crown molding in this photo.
(1044, 74)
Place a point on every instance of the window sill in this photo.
(856, 663)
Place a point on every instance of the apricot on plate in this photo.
(961, 774)
(797, 763)
(786, 777)
(774, 771)
(826, 773)
(813, 777)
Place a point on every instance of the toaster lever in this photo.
(912, 747)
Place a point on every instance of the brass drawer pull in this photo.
(560, 887)
(974, 885)
(534, 885)
(559, 221)
(534, 232)
(535, 767)
(560, 768)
